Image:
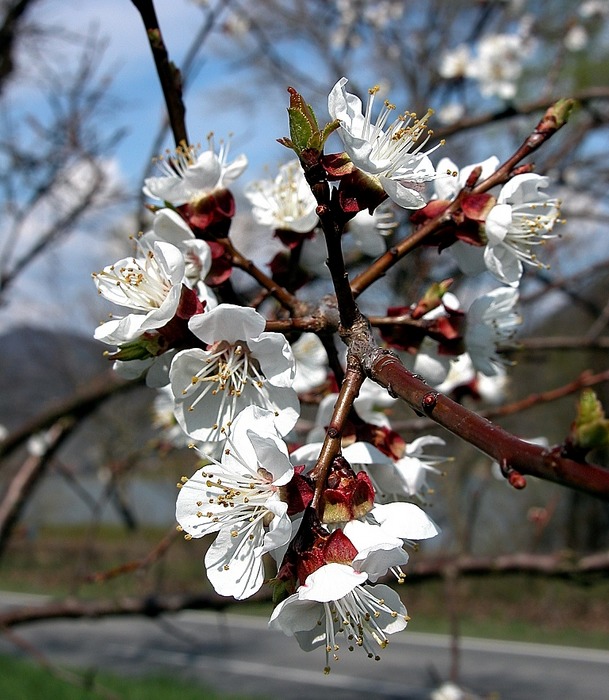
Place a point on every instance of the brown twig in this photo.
(140, 564)
(386, 261)
(287, 300)
(28, 476)
(149, 606)
(169, 75)
(549, 124)
(562, 343)
(79, 406)
(585, 379)
(349, 390)
(559, 564)
(583, 97)
(515, 456)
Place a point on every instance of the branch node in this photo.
(429, 401)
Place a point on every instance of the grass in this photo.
(23, 680)
(516, 607)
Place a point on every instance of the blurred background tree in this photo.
(488, 68)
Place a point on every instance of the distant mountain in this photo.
(40, 367)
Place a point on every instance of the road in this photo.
(238, 654)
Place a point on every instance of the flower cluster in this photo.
(495, 63)
(324, 524)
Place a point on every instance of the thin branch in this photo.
(139, 565)
(149, 606)
(515, 456)
(27, 477)
(563, 343)
(585, 379)
(169, 75)
(79, 405)
(287, 300)
(558, 564)
(583, 97)
(354, 377)
(549, 124)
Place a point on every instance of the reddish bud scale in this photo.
(516, 480)
(348, 495)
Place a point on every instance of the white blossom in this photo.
(454, 63)
(286, 202)
(462, 372)
(189, 176)
(522, 219)
(392, 154)
(311, 363)
(370, 230)
(334, 602)
(576, 38)
(169, 226)
(491, 322)
(239, 499)
(497, 65)
(150, 284)
(450, 180)
(241, 365)
(397, 479)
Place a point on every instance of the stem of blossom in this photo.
(333, 231)
(333, 221)
(515, 454)
(354, 377)
(548, 125)
(287, 300)
(169, 75)
(380, 266)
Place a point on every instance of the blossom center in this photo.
(228, 370)
(532, 225)
(406, 136)
(235, 501)
(143, 283)
(356, 617)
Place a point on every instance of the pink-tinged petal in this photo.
(523, 189)
(504, 264)
(274, 355)
(404, 196)
(380, 559)
(204, 176)
(234, 169)
(365, 453)
(280, 528)
(167, 189)
(295, 615)
(498, 223)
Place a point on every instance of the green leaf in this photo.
(300, 128)
(590, 430)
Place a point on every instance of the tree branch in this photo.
(169, 74)
(510, 452)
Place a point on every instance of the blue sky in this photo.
(254, 124)
(255, 119)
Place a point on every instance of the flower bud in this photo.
(348, 495)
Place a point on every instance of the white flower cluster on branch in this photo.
(326, 517)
